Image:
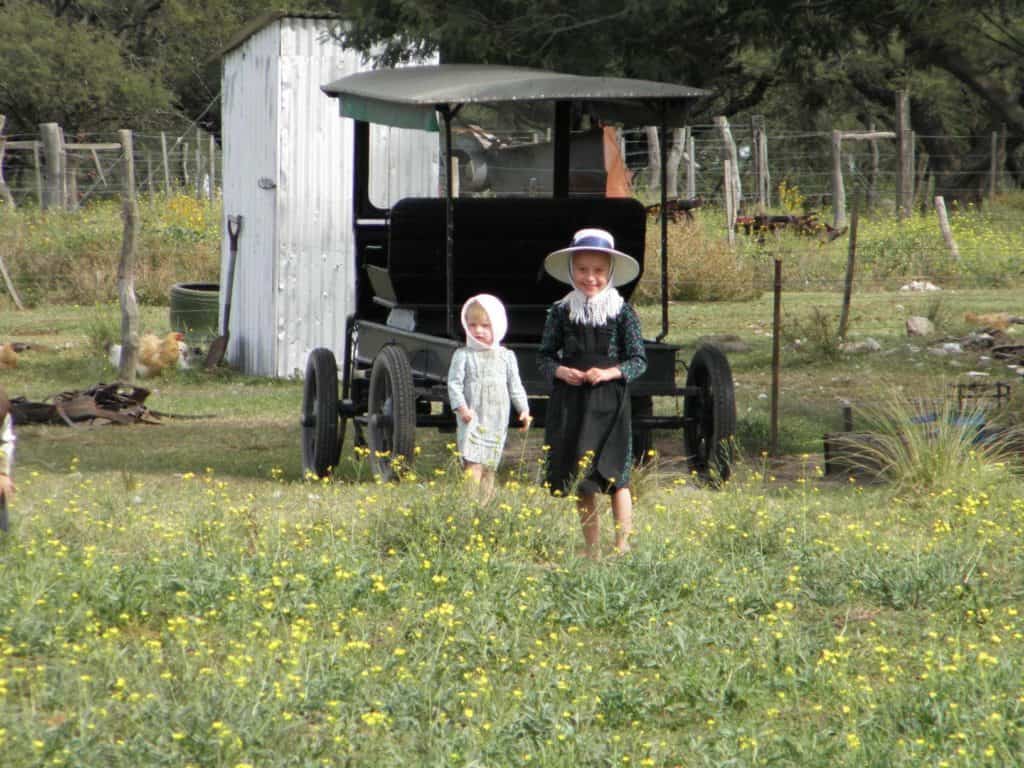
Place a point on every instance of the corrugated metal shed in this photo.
(288, 172)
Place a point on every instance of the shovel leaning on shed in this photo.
(220, 344)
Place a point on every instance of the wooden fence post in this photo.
(167, 164)
(37, 165)
(72, 161)
(872, 190)
(993, 167)
(759, 147)
(920, 187)
(729, 153)
(691, 165)
(838, 191)
(947, 231)
(186, 179)
(1001, 156)
(730, 201)
(53, 152)
(905, 168)
(653, 158)
(851, 258)
(675, 157)
(213, 166)
(126, 269)
(765, 172)
(5, 191)
(199, 164)
(773, 406)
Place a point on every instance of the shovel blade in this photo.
(215, 354)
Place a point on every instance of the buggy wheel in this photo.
(391, 413)
(643, 439)
(322, 427)
(710, 414)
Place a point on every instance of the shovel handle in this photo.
(234, 229)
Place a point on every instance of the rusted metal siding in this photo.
(288, 171)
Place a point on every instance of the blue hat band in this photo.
(593, 242)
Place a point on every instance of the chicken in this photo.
(999, 321)
(8, 356)
(155, 354)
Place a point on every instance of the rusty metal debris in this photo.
(114, 403)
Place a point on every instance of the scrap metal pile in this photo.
(113, 403)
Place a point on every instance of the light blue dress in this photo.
(486, 380)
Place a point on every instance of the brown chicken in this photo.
(8, 356)
(999, 321)
(155, 353)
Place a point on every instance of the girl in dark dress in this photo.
(591, 349)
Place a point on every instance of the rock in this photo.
(977, 374)
(919, 326)
(919, 285)
(855, 347)
(953, 347)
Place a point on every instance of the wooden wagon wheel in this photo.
(391, 413)
(323, 430)
(710, 414)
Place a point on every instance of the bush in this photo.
(700, 267)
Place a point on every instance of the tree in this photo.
(701, 43)
(820, 63)
(58, 70)
(962, 62)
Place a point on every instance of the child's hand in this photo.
(466, 414)
(526, 420)
(599, 375)
(570, 375)
(6, 487)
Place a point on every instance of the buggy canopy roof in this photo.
(408, 97)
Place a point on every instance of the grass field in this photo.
(178, 595)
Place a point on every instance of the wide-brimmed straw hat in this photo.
(558, 264)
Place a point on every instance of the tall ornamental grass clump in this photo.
(936, 442)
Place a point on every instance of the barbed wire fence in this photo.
(189, 161)
(794, 174)
(51, 170)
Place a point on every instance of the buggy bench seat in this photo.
(500, 245)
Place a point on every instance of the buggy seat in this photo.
(500, 245)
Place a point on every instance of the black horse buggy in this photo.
(507, 199)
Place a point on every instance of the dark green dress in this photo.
(590, 418)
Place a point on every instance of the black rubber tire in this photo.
(711, 414)
(390, 413)
(323, 430)
(195, 311)
(643, 439)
